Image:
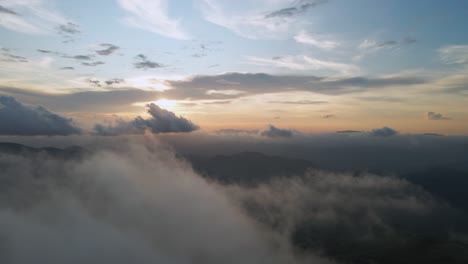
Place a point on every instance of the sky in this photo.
(305, 65)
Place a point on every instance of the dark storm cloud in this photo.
(161, 121)
(19, 119)
(435, 116)
(383, 132)
(144, 63)
(275, 132)
(67, 68)
(199, 86)
(7, 11)
(298, 8)
(300, 102)
(108, 49)
(88, 101)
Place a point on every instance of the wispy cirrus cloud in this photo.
(454, 54)
(268, 19)
(31, 17)
(65, 55)
(304, 63)
(309, 39)
(5, 10)
(85, 60)
(7, 55)
(296, 8)
(369, 46)
(153, 16)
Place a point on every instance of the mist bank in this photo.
(134, 204)
(137, 200)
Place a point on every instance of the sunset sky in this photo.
(307, 65)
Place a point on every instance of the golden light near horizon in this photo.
(165, 103)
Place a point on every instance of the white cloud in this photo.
(454, 54)
(251, 22)
(46, 62)
(304, 63)
(309, 39)
(30, 16)
(137, 204)
(367, 44)
(152, 15)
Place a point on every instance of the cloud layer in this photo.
(130, 200)
(135, 204)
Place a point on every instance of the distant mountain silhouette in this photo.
(447, 183)
(248, 168)
(19, 149)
